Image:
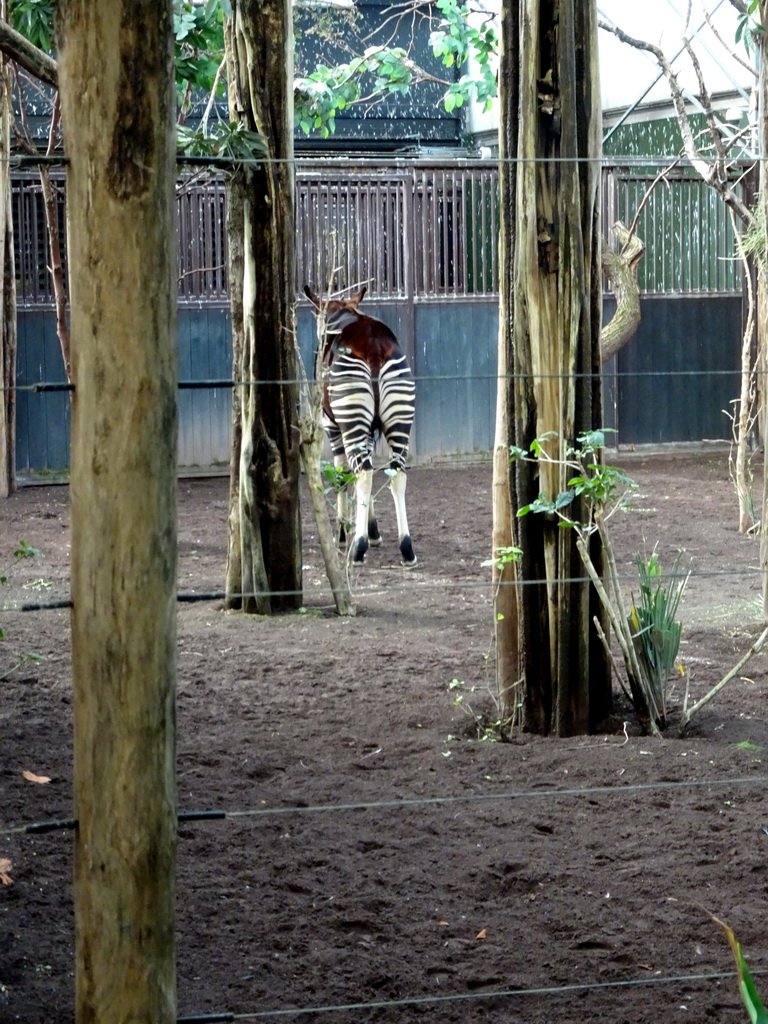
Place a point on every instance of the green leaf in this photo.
(749, 994)
(25, 550)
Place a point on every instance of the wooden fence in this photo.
(412, 229)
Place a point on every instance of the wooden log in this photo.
(116, 80)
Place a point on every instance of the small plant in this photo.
(749, 995)
(337, 477)
(481, 728)
(656, 636)
(24, 550)
(648, 635)
(502, 557)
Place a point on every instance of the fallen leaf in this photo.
(482, 933)
(31, 777)
(5, 867)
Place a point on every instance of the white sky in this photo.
(626, 73)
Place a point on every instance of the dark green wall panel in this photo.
(671, 383)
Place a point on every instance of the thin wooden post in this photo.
(116, 80)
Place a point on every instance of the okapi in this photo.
(368, 390)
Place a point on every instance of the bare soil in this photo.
(480, 868)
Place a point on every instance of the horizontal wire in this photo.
(553, 990)
(309, 162)
(426, 801)
(476, 798)
(225, 382)
(370, 589)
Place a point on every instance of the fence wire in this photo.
(553, 990)
(411, 803)
(192, 597)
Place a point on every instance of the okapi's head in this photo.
(339, 313)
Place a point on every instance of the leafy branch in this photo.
(604, 490)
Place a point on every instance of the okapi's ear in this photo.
(355, 300)
(311, 296)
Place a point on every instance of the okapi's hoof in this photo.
(359, 547)
(406, 552)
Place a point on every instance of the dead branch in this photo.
(688, 713)
(710, 172)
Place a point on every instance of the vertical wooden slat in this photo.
(435, 232)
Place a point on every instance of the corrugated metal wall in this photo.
(423, 236)
(679, 373)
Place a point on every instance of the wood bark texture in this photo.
(8, 335)
(264, 562)
(116, 81)
(555, 353)
(762, 298)
(505, 532)
(621, 269)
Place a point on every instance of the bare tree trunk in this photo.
(507, 612)
(311, 446)
(8, 312)
(311, 449)
(116, 72)
(621, 270)
(51, 207)
(265, 530)
(556, 352)
(761, 214)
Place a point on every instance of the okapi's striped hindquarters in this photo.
(368, 391)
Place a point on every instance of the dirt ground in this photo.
(480, 868)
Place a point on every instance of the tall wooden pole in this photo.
(550, 344)
(264, 556)
(505, 533)
(116, 80)
(7, 287)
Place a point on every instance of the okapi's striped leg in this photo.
(363, 489)
(343, 502)
(397, 485)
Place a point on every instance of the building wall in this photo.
(670, 384)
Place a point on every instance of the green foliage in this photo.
(228, 139)
(600, 485)
(749, 994)
(648, 635)
(656, 635)
(504, 556)
(338, 478)
(34, 19)
(481, 728)
(319, 96)
(455, 42)
(198, 36)
(753, 241)
(199, 47)
(749, 25)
